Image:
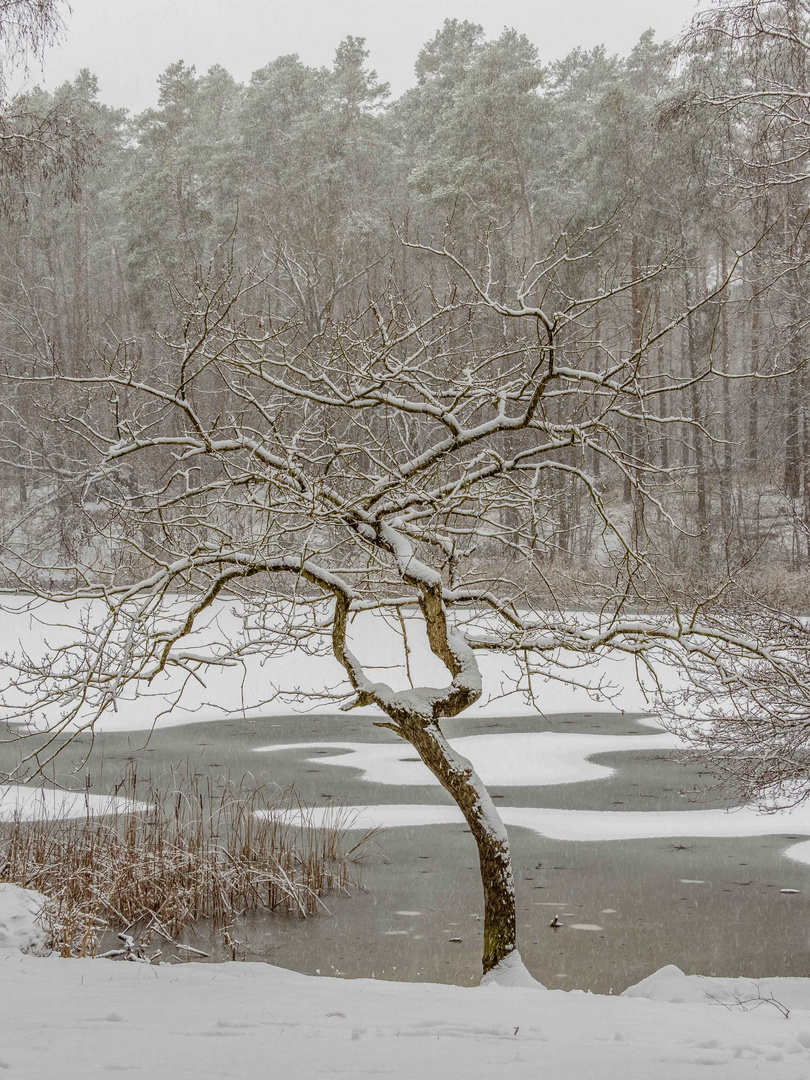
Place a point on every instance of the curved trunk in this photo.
(457, 776)
(414, 715)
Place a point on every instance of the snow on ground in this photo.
(532, 759)
(670, 984)
(19, 930)
(88, 1019)
(247, 689)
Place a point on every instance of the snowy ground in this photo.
(311, 682)
(65, 1019)
(89, 1018)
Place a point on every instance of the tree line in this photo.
(314, 180)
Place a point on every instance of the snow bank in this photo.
(19, 931)
(90, 1018)
(671, 984)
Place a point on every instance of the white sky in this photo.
(127, 43)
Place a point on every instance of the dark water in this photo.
(422, 889)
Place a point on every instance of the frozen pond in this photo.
(638, 897)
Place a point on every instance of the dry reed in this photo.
(191, 849)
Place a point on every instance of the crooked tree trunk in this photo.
(415, 714)
(457, 776)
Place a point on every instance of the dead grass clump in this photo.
(189, 849)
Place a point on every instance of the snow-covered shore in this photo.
(88, 1018)
(297, 682)
(85, 1019)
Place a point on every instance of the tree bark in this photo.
(792, 472)
(699, 452)
(457, 776)
(727, 481)
(754, 390)
(414, 715)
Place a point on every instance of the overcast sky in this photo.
(127, 43)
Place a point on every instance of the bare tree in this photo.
(749, 72)
(27, 28)
(407, 458)
(746, 714)
(43, 138)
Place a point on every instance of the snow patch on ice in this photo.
(33, 804)
(533, 759)
(799, 852)
(596, 824)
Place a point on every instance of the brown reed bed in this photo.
(187, 849)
